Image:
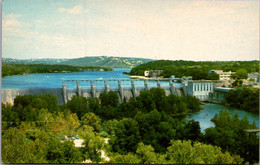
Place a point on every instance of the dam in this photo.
(125, 89)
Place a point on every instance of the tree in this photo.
(125, 159)
(148, 156)
(146, 101)
(193, 103)
(78, 105)
(63, 152)
(159, 98)
(17, 149)
(213, 76)
(127, 136)
(240, 74)
(229, 133)
(183, 152)
(92, 120)
(93, 144)
(109, 99)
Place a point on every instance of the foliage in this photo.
(93, 144)
(9, 69)
(240, 74)
(126, 137)
(148, 156)
(92, 120)
(140, 131)
(198, 70)
(244, 98)
(109, 99)
(129, 158)
(230, 134)
(183, 152)
(78, 105)
(213, 76)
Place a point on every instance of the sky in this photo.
(156, 29)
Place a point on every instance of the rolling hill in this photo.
(113, 62)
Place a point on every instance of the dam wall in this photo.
(125, 89)
(8, 95)
(219, 95)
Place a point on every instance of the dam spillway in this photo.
(125, 88)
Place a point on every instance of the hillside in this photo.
(113, 62)
(9, 69)
(198, 70)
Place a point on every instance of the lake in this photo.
(54, 80)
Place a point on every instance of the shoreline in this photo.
(143, 77)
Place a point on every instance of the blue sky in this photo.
(157, 29)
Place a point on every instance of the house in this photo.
(226, 76)
(254, 76)
(153, 73)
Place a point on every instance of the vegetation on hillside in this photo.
(198, 70)
(140, 131)
(20, 69)
(104, 61)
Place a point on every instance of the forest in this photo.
(143, 130)
(198, 70)
(244, 98)
(20, 69)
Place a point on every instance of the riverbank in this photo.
(10, 69)
(143, 77)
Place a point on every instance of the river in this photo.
(54, 80)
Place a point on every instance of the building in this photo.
(199, 89)
(254, 76)
(153, 73)
(226, 76)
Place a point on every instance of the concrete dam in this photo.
(125, 88)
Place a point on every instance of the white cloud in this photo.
(11, 20)
(75, 10)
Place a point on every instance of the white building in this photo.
(254, 76)
(226, 76)
(146, 73)
(153, 73)
(199, 89)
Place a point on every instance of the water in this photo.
(54, 80)
(209, 110)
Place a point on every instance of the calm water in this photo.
(54, 80)
(209, 110)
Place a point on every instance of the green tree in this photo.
(183, 152)
(148, 156)
(63, 152)
(213, 76)
(125, 159)
(109, 99)
(92, 120)
(78, 105)
(229, 133)
(17, 149)
(240, 74)
(146, 101)
(127, 136)
(93, 144)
